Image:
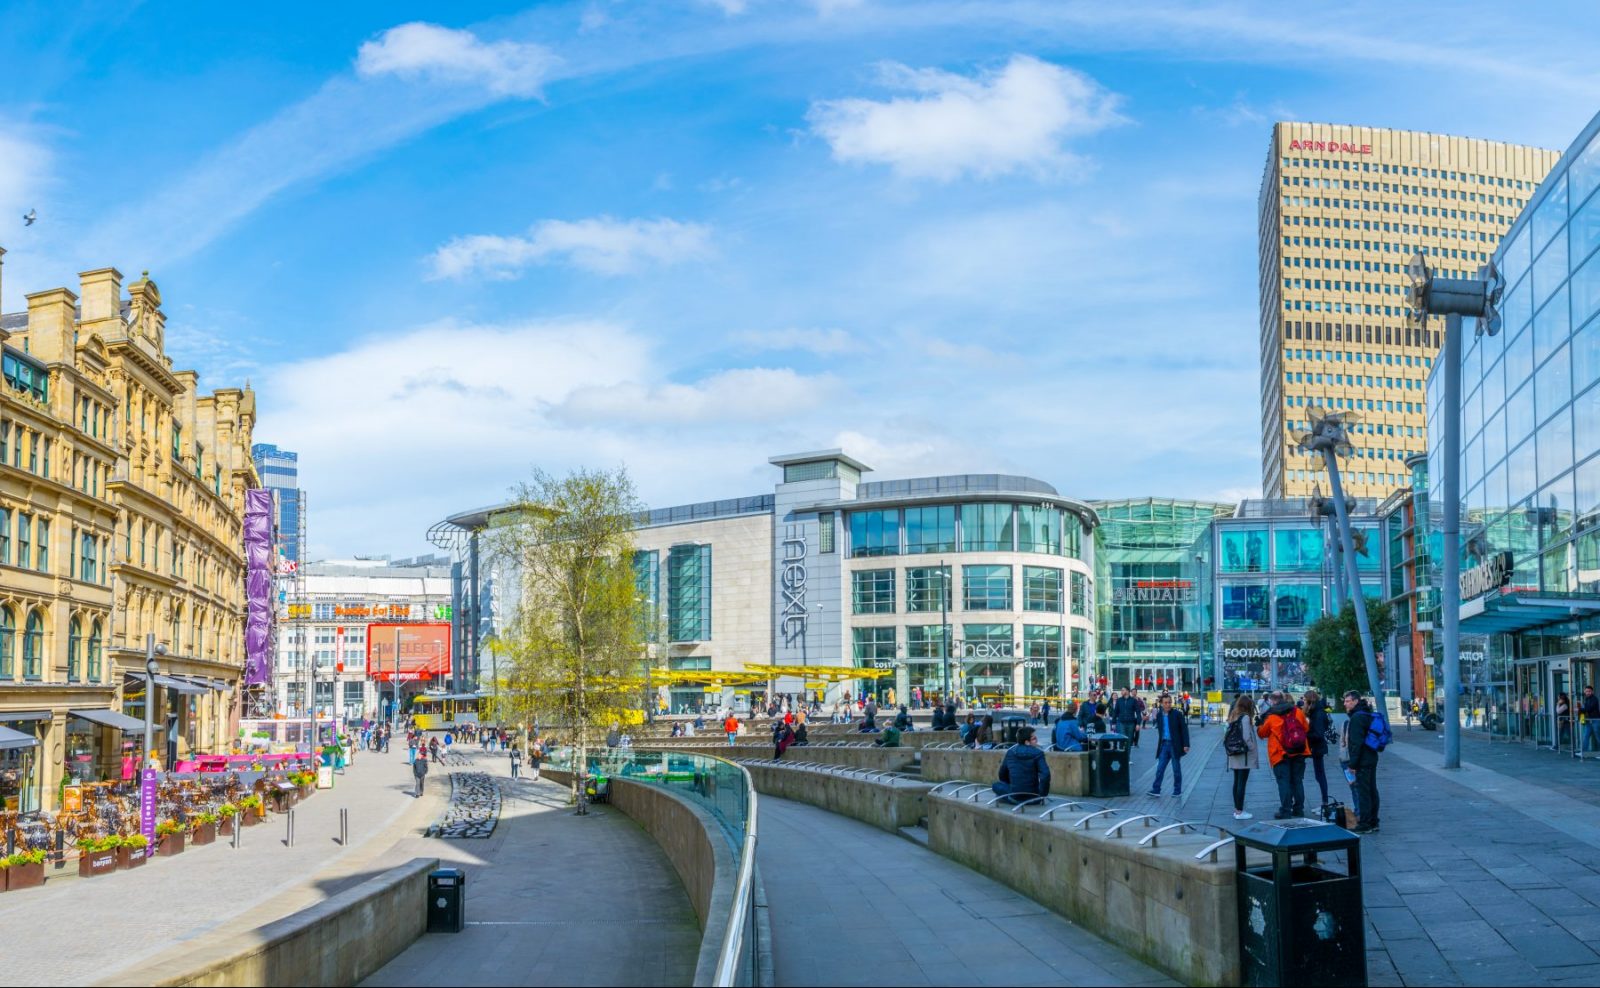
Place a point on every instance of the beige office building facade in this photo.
(1341, 211)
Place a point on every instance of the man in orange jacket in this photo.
(1288, 742)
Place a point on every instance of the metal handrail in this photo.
(935, 791)
(727, 970)
(1210, 850)
(1116, 828)
(1071, 804)
(1150, 838)
(1083, 821)
(1030, 802)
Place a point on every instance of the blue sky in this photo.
(451, 243)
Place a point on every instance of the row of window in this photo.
(688, 610)
(982, 527)
(1295, 550)
(17, 440)
(80, 652)
(25, 376)
(983, 588)
(1283, 605)
(1417, 171)
(978, 641)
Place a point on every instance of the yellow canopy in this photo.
(829, 673)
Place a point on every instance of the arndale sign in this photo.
(1330, 147)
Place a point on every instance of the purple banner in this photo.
(149, 786)
(258, 637)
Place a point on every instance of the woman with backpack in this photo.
(1244, 753)
(1287, 735)
(1320, 729)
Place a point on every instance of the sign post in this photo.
(149, 787)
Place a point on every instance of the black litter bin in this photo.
(1009, 726)
(1300, 921)
(447, 887)
(1108, 764)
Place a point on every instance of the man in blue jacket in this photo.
(1068, 735)
(1172, 743)
(1024, 772)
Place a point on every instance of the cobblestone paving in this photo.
(474, 806)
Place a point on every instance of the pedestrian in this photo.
(870, 716)
(983, 736)
(411, 746)
(1024, 771)
(1319, 725)
(731, 727)
(1563, 720)
(516, 763)
(1172, 743)
(782, 737)
(1288, 743)
(1244, 750)
(1125, 711)
(902, 720)
(1068, 736)
(536, 757)
(969, 730)
(1590, 712)
(419, 772)
(1366, 734)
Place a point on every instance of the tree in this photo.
(574, 643)
(1333, 647)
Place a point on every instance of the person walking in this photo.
(1243, 749)
(419, 772)
(1590, 711)
(1286, 730)
(1319, 727)
(1172, 743)
(731, 726)
(536, 757)
(516, 763)
(1125, 711)
(1361, 751)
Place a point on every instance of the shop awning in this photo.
(25, 715)
(173, 682)
(1507, 613)
(205, 681)
(15, 739)
(112, 718)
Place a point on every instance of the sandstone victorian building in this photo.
(121, 504)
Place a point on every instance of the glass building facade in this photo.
(1153, 591)
(1530, 465)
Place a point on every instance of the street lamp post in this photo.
(151, 651)
(1453, 298)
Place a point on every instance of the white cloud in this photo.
(25, 168)
(602, 245)
(420, 50)
(748, 394)
(1016, 119)
(822, 342)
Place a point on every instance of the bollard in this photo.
(289, 839)
(61, 849)
(238, 832)
(344, 826)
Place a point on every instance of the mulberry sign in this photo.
(792, 585)
(1330, 147)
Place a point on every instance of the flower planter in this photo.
(205, 833)
(306, 791)
(23, 876)
(132, 857)
(225, 827)
(169, 845)
(92, 863)
(253, 817)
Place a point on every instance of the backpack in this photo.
(1294, 735)
(1233, 742)
(1378, 734)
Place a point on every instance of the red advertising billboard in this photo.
(408, 652)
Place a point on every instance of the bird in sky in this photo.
(29, 217)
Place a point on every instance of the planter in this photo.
(92, 863)
(25, 876)
(252, 817)
(306, 791)
(133, 857)
(169, 845)
(204, 834)
(225, 827)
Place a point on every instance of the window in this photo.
(1244, 605)
(1296, 605)
(1080, 594)
(1038, 529)
(1041, 589)
(1244, 550)
(1298, 550)
(1041, 641)
(5, 442)
(8, 642)
(1072, 537)
(87, 562)
(931, 529)
(927, 641)
(96, 652)
(928, 590)
(647, 587)
(986, 528)
(986, 588)
(33, 646)
(177, 440)
(144, 541)
(825, 533)
(23, 375)
(690, 663)
(872, 591)
(874, 645)
(44, 545)
(875, 533)
(987, 641)
(689, 593)
(1369, 547)
(74, 649)
(5, 536)
(24, 540)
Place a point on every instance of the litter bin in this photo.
(446, 889)
(1108, 764)
(597, 788)
(1300, 921)
(1009, 726)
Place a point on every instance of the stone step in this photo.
(917, 834)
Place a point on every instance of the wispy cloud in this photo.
(746, 394)
(1016, 119)
(428, 51)
(602, 245)
(25, 169)
(822, 342)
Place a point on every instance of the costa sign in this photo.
(1330, 147)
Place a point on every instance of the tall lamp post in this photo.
(1328, 438)
(1453, 298)
(151, 652)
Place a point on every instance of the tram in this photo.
(437, 711)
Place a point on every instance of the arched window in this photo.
(87, 560)
(96, 652)
(74, 649)
(33, 646)
(8, 643)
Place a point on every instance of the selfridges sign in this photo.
(792, 585)
(1491, 574)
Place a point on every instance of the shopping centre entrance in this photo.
(1175, 677)
(1544, 708)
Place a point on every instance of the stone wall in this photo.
(1069, 771)
(885, 805)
